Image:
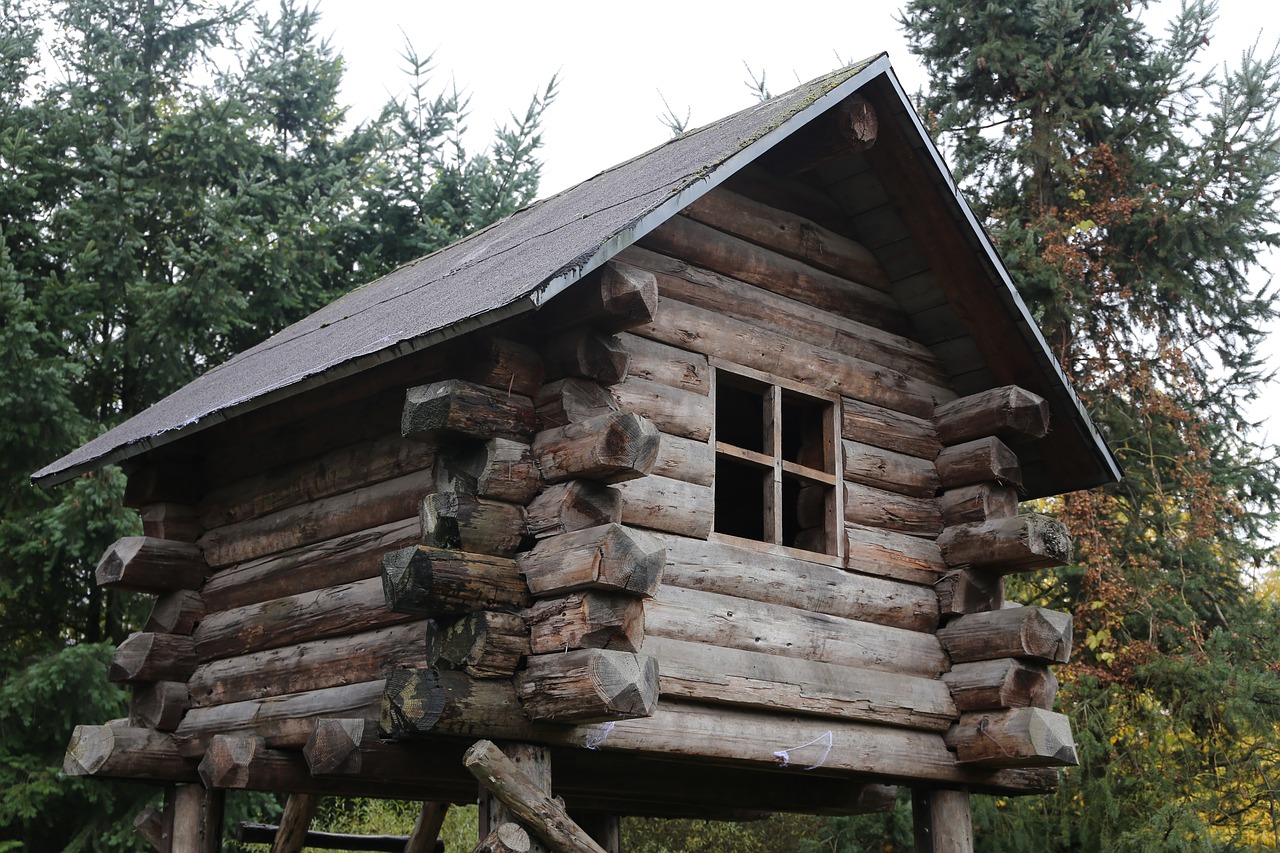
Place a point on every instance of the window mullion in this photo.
(773, 447)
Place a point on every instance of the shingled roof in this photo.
(521, 262)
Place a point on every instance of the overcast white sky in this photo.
(618, 61)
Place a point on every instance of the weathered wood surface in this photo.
(530, 804)
(1030, 633)
(426, 829)
(756, 680)
(1020, 737)
(672, 410)
(469, 523)
(586, 619)
(672, 506)
(332, 562)
(1021, 543)
(500, 468)
(765, 574)
(291, 834)
(334, 747)
(283, 721)
(310, 665)
(800, 320)
(505, 838)
(1010, 413)
(835, 137)
(585, 353)
(498, 363)
(158, 705)
(327, 518)
(711, 333)
(573, 505)
(568, 401)
(123, 752)
(147, 564)
(685, 459)
(150, 823)
(617, 297)
(588, 685)
(978, 502)
(197, 819)
(983, 460)
(667, 365)
(943, 821)
(487, 644)
(432, 581)
(463, 409)
(886, 429)
(889, 470)
(682, 237)
(146, 656)
(1002, 683)
(736, 623)
(306, 617)
(969, 591)
(609, 448)
(534, 762)
(449, 703)
(175, 612)
(339, 470)
(609, 557)
(168, 520)
(872, 507)
(887, 553)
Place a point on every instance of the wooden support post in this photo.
(291, 836)
(147, 564)
(605, 829)
(606, 557)
(589, 685)
(197, 819)
(530, 804)
(534, 763)
(465, 522)
(943, 822)
(426, 829)
(431, 581)
(609, 448)
(506, 838)
(457, 408)
(150, 824)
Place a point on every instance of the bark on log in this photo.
(978, 502)
(153, 657)
(757, 680)
(673, 506)
(487, 644)
(573, 505)
(500, 468)
(1030, 633)
(545, 816)
(159, 705)
(609, 557)
(588, 685)
(869, 506)
(618, 297)
(610, 448)
(889, 470)
(433, 581)
(969, 591)
(586, 354)
(666, 365)
(1021, 737)
(456, 408)
(146, 564)
(587, 619)
(1022, 543)
(1009, 413)
(570, 401)
(464, 522)
(1003, 683)
(501, 364)
(983, 460)
(123, 752)
(175, 612)
(672, 410)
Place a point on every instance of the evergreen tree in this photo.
(1130, 196)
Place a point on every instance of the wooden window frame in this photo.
(772, 460)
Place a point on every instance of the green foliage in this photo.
(794, 833)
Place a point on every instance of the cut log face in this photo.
(1031, 633)
(500, 468)
(121, 752)
(1022, 737)
(464, 522)
(589, 685)
(573, 505)
(175, 612)
(455, 408)
(431, 581)
(159, 705)
(487, 644)
(1009, 413)
(1022, 543)
(334, 746)
(978, 502)
(153, 657)
(983, 460)
(608, 557)
(969, 591)
(610, 448)
(587, 619)
(146, 564)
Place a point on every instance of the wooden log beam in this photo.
(978, 502)
(587, 619)
(1021, 543)
(609, 557)
(147, 564)
(1009, 413)
(465, 522)
(887, 553)
(500, 468)
(573, 505)
(609, 448)
(587, 354)
(969, 591)
(533, 807)
(1030, 633)
(757, 680)
(175, 612)
(617, 297)
(844, 131)
(665, 364)
(872, 507)
(126, 752)
(291, 834)
(174, 521)
(669, 505)
(685, 459)
(983, 460)
(504, 365)
(672, 410)
(158, 705)
(886, 429)
(1019, 737)
(486, 644)
(588, 685)
(1002, 683)
(571, 400)
(455, 408)
(889, 470)
(432, 581)
(153, 657)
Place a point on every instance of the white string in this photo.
(827, 739)
(597, 737)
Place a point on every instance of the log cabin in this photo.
(694, 487)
